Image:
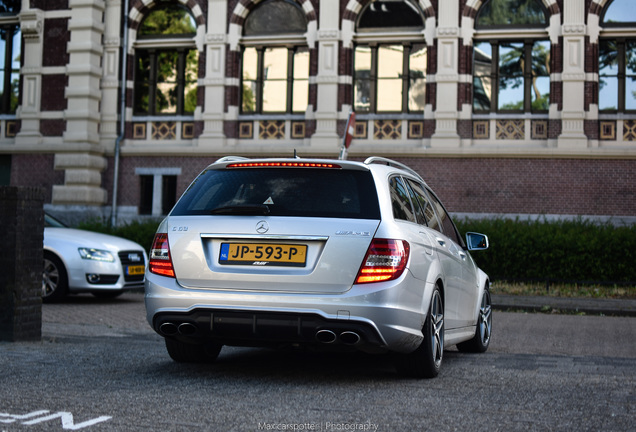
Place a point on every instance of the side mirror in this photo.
(476, 241)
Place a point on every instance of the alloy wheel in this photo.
(485, 318)
(437, 328)
(50, 278)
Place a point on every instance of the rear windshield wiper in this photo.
(252, 209)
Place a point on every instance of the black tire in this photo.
(182, 352)
(483, 330)
(54, 279)
(426, 360)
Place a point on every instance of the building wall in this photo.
(569, 160)
(537, 186)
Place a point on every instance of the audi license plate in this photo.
(135, 270)
(262, 254)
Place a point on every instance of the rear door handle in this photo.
(440, 241)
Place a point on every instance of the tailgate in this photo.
(269, 254)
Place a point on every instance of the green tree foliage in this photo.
(168, 20)
(498, 13)
(142, 232)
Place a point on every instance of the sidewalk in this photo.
(622, 307)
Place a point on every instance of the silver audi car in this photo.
(316, 253)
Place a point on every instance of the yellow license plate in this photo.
(263, 254)
(135, 270)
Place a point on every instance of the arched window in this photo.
(390, 15)
(275, 59)
(390, 58)
(10, 43)
(511, 14)
(168, 21)
(617, 59)
(511, 71)
(274, 17)
(619, 13)
(166, 63)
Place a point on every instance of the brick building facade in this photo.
(445, 86)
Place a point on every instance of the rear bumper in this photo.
(375, 317)
(258, 328)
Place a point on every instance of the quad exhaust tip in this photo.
(349, 338)
(346, 337)
(323, 336)
(171, 329)
(326, 336)
(168, 329)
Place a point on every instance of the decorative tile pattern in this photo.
(298, 130)
(11, 128)
(481, 129)
(187, 130)
(164, 130)
(271, 129)
(510, 130)
(360, 130)
(246, 130)
(416, 129)
(539, 130)
(387, 129)
(629, 130)
(139, 131)
(608, 130)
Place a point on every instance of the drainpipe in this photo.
(122, 114)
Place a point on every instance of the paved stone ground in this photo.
(126, 315)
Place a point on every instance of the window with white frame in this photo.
(511, 58)
(390, 58)
(166, 62)
(617, 58)
(10, 43)
(275, 59)
(157, 190)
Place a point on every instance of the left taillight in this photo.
(160, 261)
(385, 260)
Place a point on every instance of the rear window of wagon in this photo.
(308, 192)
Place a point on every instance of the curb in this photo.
(614, 307)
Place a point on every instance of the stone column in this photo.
(214, 82)
(447, 77)
(573, 114)
(31, 24)
(110, 85)
(326, 136)
(83, 158)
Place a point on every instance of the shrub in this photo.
(566, 250)
(140, 231)
(521, 250)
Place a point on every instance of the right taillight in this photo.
(160, 262)
(385, 260)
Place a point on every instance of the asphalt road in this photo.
(99, 367)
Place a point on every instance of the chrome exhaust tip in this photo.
(168, 329)
(325, 336)
(187, 329)
(349, 338)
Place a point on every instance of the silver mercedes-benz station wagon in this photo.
(316, 253)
